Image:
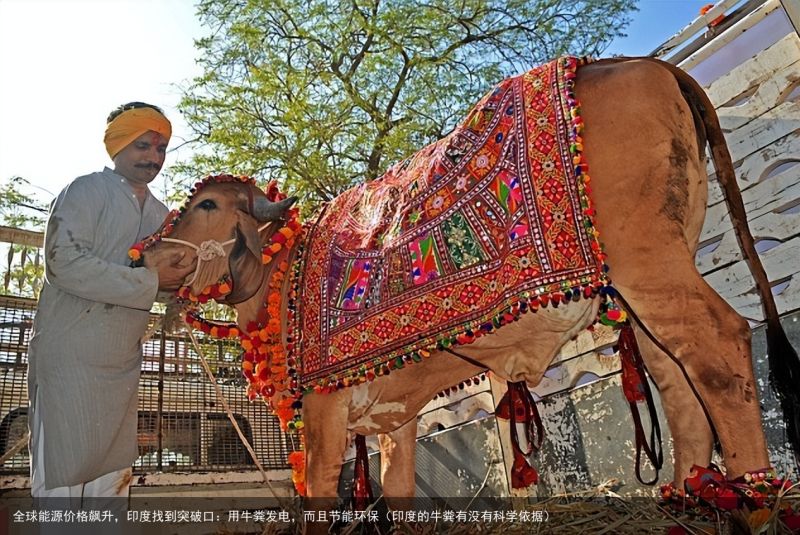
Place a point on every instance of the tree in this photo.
(19, 209)
(326, 94)
(24, 271)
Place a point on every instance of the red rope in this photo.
(637, 389)
(516, 406)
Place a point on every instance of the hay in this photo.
(598, 511)
(601, 511)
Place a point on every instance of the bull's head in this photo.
(223, 225)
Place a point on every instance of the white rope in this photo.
(228, 411)
(208, 250)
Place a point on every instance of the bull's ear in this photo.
(245, 269)
(247, 235)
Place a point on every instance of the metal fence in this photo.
(182, 423)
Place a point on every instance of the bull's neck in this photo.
(255, 308)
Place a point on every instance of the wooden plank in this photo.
(781, 227)
(754, 167)
(730, 34)
(762, 198)
(755, 71)
(697, 25)
(566, 375)
(21, 236)
(766, 98)
(455, 413)
(736, 285)
(585, 342)
(777, 123)
(749, 306)
(25, 303)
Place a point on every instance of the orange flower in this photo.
(297, 458)
(758, 518)
(284, 415)
(705, 9)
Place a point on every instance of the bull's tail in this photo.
(784, 364)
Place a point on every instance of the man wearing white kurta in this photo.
(85, 355)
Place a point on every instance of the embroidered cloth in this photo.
(495, 214)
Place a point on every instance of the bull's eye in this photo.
(207, 204)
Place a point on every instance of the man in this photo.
(85, 353)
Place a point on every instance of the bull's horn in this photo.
(265, 210)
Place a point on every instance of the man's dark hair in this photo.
(131, 106)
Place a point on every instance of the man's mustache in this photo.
(153, 166)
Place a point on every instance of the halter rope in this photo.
(208, 250)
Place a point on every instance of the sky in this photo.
(65, 64)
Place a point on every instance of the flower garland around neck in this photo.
(265, 359)
(266, 362)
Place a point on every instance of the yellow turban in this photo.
(130, 124)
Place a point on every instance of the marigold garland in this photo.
(297, 460)
(264, 361)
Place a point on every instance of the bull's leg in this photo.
(712, 344)
(691, 433)
(398, 457)
(325, 418)
(650, 191)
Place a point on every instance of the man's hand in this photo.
(171, 270)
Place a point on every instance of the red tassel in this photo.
(517, 405)
(636, 389)
(631, 379)
(362, 490)
(523, 474)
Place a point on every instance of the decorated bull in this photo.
(354, 320)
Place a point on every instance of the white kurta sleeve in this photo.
(72, 262)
